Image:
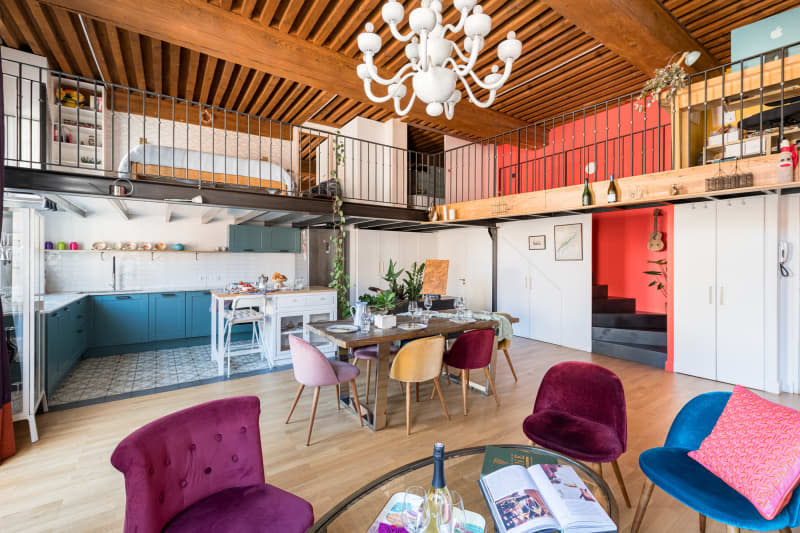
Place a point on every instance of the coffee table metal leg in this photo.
(381, 386)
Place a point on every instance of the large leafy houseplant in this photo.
(339, 278)
(413, 281)
(392, 278)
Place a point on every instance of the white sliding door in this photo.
(695, 289)
(513, 286)
(740, 291)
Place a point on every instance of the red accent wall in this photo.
(620, 255)
(604, 138)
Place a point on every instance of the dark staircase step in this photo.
(640, 353)
(630, 320)
(614, 305)
(653, 337)
(599, 291)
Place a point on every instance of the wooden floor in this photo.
(65, 482)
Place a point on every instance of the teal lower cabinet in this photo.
(198, 314)
(167, 317)
(66, 341)
(120, 319)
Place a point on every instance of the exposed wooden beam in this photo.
(641, 31)
(120, 208)
(66, 205)
(250, 215)
(202, 27)
(210, 214)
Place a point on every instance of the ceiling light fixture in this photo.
(433, 71)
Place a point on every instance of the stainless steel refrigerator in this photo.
(315, 263)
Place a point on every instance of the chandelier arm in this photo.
(457, 27)
(371, 95)
(405, 111)
(373, 71)
(496, 85)
(448, 111)
(469, 62)
(423, 56)
(473, 98)
(399, 36)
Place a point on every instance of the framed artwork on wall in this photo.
(537, 242)
(568, 239)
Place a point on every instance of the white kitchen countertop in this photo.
(57, 300)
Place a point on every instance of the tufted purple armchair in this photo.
(200, 469)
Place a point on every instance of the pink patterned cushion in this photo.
(755, 448)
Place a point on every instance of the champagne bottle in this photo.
(587, 193)
(439, 500)
(613, 191)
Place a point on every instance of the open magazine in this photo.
(544, 497)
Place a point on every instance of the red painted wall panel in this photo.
(620, 255)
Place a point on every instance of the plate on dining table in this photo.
(342, 328)
(462, 320)
(411, 326)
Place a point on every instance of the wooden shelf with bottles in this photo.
(707, 109)
(78, 120)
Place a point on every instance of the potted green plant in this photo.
(660, 275)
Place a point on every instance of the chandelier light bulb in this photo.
(436, 63)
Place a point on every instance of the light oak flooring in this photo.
(65, 481)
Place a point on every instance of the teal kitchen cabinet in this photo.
(245, 238)
(66, 340)
(284, 240)
(167, 317)
(55, 350)
(198, 314)
(120, 319)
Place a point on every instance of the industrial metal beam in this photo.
(120, 208)
(67, 205)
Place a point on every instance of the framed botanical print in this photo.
(537, 242)
(568, 239)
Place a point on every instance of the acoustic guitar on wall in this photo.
(655, 244)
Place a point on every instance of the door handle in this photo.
(123, 297)
(722, 295)
(710, 295)
(169, 295)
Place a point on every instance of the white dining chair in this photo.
(246, 310)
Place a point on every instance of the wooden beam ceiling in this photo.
(200, 26)
(640, 31)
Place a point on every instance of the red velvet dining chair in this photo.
(472, 351)
(200, 470)
(580, 412)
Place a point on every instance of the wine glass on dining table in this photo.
(428, 303)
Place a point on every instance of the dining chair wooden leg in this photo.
(731, 529)
(369, 377)
(438, 389)
(787, 529)
(621, 481)
(644, 499)
(294, 403)
(313, 414)
(447, 372)
(491, 384)
(338, 395)
(510, 365)
(358, 404)
(408, 408)
(464, 387)
(600, 470)
(703, 523)
(416, 390)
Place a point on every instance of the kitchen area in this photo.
(138, 295)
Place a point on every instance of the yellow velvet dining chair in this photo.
(419, 360)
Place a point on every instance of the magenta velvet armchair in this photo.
(200, 469)
(580, 412)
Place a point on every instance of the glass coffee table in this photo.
(462, 468)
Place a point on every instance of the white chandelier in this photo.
(433, 70)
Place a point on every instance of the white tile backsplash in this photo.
(73, 272)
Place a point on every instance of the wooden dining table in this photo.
(375, 414)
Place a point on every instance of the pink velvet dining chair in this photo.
(200, 470)
(580, 412)
(472, 351)
(313, 369)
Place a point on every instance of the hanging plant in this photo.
(339, 278)
(660, 275)
(668, 80)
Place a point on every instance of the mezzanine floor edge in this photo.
(65, 481)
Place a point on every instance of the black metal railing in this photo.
(59, 121)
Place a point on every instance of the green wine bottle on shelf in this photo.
(439, 500)
(587, 193)
(613, 191)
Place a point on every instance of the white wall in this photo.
(789, 297)
(90, 272)
(470, 253)
(559, 295)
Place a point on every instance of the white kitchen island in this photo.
(287, 313)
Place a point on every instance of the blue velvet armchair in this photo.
(686, 480)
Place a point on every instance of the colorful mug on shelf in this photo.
(61, 245)
(73, 245)
(48, 245)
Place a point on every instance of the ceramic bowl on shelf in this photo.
(145, 246)
(99, 245)
(73, 245)
(178, 247)
(161, 246)
(129, 246)
(117, 245)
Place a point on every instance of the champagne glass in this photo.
(453, 519)
(416, 515)
(428, 303)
